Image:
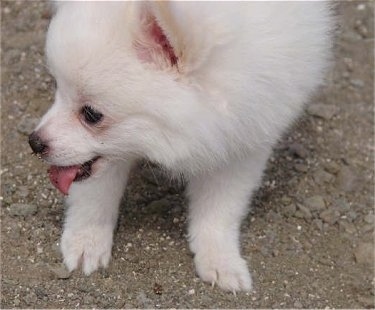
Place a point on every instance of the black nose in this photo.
(36, 144)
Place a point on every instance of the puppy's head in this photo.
(121, 70)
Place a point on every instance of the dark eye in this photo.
(91, 115)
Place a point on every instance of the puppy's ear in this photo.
(163, 38)
(156, 38)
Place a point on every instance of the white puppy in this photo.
(204, 89)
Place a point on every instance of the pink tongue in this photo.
(62, 177)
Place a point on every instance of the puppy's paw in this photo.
(89, 246)
(228, 272)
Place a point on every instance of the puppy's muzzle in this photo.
(38, 146)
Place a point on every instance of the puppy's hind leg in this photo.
(91, 217)
(218, 202)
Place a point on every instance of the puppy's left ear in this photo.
(162, 39)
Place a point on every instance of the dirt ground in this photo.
(309, 237)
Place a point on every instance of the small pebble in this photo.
(367, 228)
(191, 292)
(14, 232)
(342, 205)
(22, 209)
(346, 180)
(324, 111)
(306, 214)
(297, 304)
(31, 298)
(298, 150)
(361, 7)
(299, 214)
(16, 302)
(273, 217)
(318, 224)
(330, 216)
(347, 227)
(364, 253)
(314, 203)
(363, 32)
(320, 177)
(369, 218)
(352, 215)
(23, 191)
(9, 281)
(88, 300)
(60, 271)
(285, 200)
(289, 210)
(144, 300)
(367, 301)
(264, 251)
(301, 167)
(357, 83)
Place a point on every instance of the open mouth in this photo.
(62, 177)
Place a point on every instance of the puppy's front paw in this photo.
(227, 271)
(89, 246)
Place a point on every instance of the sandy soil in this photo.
(308, 238)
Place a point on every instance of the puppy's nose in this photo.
(37, 144)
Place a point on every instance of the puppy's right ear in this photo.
(163, 39)
(156, 39)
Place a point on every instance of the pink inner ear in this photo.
(161, 39)
(154, 44)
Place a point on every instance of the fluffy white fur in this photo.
(244, 70)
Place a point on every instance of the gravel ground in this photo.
(309, 235)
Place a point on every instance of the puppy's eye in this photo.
(91, 115)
